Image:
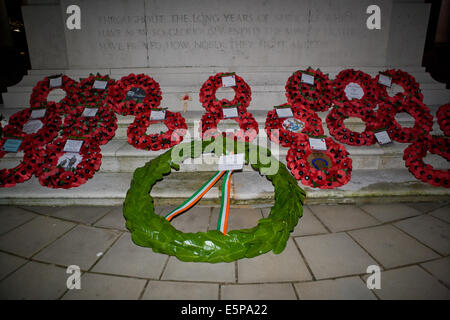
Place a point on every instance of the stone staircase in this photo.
(378, 171)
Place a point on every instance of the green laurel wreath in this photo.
(151, 230)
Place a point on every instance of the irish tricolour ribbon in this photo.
(225, 202)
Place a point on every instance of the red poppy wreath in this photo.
(98, 124)
(60, 169)
(20, 173)
(310, 88)
(285, 130)
(443, 118)
(36, 126)
(242, 97)
(134, 94)
(410, 86)
(423, 123)
(352, 84)
(319, 169)
(138, 138)
(357, 109)
(94, 89)
(247, 124)
(415, 152)
(45, 86)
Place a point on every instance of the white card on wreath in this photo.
(307, 78)
(382, 137)
(230, 113)
(38, 113)
(73, 145)
(69, 160)
(354, 91)
(32, 126)
(317, 144)
(385, 80)
(89, 112)
(228, 81)
(157, 115)
(55, 82)
(231, 162)
(284, 112)
(100, 84)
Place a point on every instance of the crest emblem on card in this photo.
(293, 125)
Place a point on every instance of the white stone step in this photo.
(119, 156)
(192, 119)
(247, 188)
(195, 77)
(262, 98)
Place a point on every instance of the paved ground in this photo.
(326, 257)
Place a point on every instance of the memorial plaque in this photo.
(112, 35)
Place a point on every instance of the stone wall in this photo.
(162, 33)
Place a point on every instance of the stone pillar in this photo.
(5, 31)
(44, 29)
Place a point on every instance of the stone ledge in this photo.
(247, 188)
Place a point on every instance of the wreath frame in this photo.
(53, 176)
(20, 173)
(340, 173)
(415, 152)
(341, 111)
(89, 96)
(210, 120)
(49, 131)
(242, 96)
(364, 80)
(443, 118)
(138, 138)
(411, 88)
(313, 125)
(151, 230)
(317, 97)
(423, 123)
(117, 101)
(42, 89)
(100, 128)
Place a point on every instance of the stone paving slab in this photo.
(82, 246)
(334, 255)
(442, 213)
(113, 220)
(194, 220)
(425, 207)
(343, 217)
(11, 217)
(34, 235)
(9, 263)
(429, 230)
(308, 224)
(171, 290)
(34, 281)
(126, 258)
(352, 288)
(390, 212)
(410, 283)
(199, 271)
(439, 268)
(238, 218)
(84, 214)
(266, 291)
(97, 286)
(391, 247)
(286, 266)
(316, 264)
